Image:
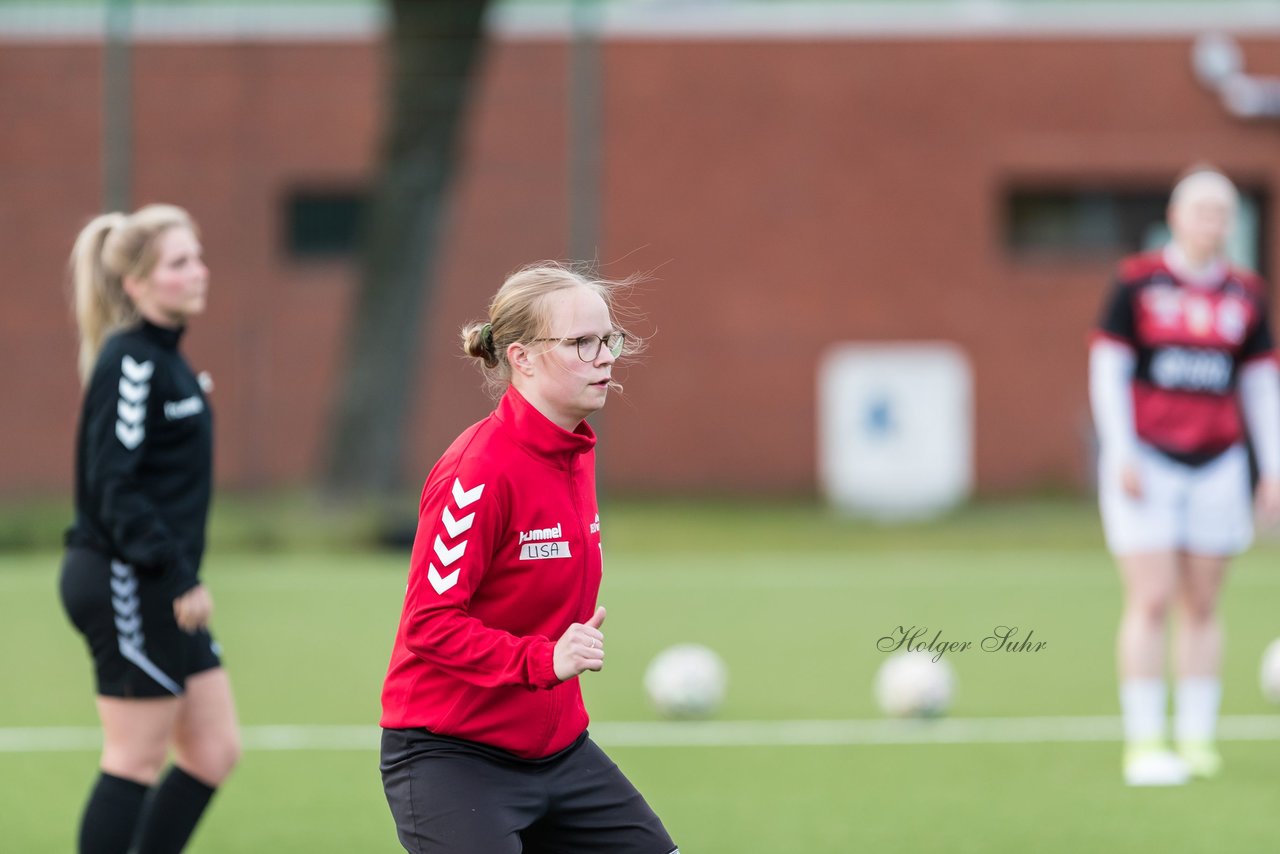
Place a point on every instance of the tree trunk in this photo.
(434, 48)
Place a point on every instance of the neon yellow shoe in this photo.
(1202, 758)
(1152, 763)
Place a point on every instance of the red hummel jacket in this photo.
(506, 557)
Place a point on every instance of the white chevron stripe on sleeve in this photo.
(446, 555)
(138, 372)
(131, 413)
(130, 437)
(441, 583)
(134, 392)
(131, 409)
(463, 497)
(456, 526)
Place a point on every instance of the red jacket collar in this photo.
(534, 432)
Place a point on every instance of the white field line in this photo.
(794, 733)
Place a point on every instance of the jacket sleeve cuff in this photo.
(184, 578)
(542, 668)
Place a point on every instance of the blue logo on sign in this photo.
(878, 421)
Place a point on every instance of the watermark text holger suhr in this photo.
(918, 639)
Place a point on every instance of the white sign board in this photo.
(895, 428)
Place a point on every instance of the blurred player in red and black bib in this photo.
(1182, 367)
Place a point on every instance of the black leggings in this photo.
(447, 796)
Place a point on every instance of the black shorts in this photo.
(449, 795)
(127, 620)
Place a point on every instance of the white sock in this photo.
(1142, 703)
(1196, 711)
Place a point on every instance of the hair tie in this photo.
(486, 335)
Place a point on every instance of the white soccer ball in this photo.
(686, 681)
(913, 685)
(1269, 675)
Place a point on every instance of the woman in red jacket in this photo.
(485, 746)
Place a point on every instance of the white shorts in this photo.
(1205, 510)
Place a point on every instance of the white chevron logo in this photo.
(441, 583)
(138, 372)
(130, 437)
(448, 556)
(463, 497)
(124, 586)
(131, 428)
(130, 413)
(456, 526)
(134, 392)
(128, 625)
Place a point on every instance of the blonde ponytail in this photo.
(101, 305)
(109, 248)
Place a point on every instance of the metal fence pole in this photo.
(585, 157)
(117, 107)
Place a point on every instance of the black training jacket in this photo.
(144, 458)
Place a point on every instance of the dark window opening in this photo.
(323, 224)
(1096, 222)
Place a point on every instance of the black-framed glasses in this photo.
(589, 345)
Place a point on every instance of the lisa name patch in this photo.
(544, 551)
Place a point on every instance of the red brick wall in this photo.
(49, 177)
(804, 193)
(785, 194)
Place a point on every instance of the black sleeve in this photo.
(117, 404)
(1117, 319)
(1259, 341)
